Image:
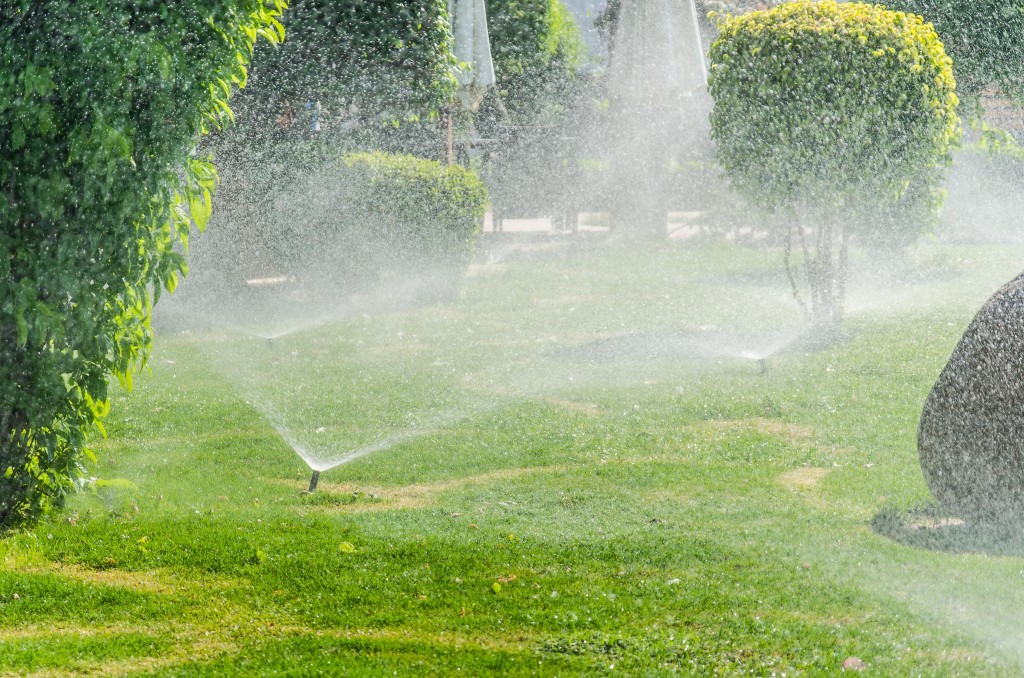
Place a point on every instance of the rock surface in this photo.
(971, 435)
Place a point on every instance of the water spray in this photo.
(760, 359)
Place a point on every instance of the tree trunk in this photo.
(826, 279)
(13, 455)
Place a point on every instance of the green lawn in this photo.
(571, 469)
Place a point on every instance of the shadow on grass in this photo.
(935, 529)
(706, 344)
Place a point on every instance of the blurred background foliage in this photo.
(985, 39)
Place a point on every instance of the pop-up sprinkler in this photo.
(313, 481)
(761, 360)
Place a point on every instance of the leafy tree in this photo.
(821, 108)
(100, 103)
(537, 52)
(378, 58)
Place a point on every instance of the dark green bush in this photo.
(373, 218)
(100, 103)
(985, 39)
(822, 108)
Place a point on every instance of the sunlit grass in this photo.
(563, 504)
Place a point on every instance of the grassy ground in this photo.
(577, 473)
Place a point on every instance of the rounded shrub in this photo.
(372, 218)
(821, 102)
(823, 107)
(100, 104)
(971, 436)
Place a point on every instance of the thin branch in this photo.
(844, 265)
(787, 253)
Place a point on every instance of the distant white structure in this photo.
(656, 66)
(472, 48)
(657, 50)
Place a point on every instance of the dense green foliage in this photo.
(822, 108)
(358, 58)
(371, 217)
(99, 105)
(537, 51)
(985, 39)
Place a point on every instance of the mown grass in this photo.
(582, 493)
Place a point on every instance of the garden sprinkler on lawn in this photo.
(313, 481)
(804, 341)
(761, 360)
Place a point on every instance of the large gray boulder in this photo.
(971, 436)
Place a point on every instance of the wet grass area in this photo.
(522, 512)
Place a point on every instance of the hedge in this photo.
(375, 218)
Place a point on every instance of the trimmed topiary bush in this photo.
(100, 103)
(822, 108)
(375, 218)
(971, 435)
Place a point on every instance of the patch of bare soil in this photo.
(796, 434)
(572, 405)
(803, 478)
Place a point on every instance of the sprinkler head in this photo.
(762, 365)
(313, 481)
(270, 343)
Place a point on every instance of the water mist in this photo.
(656, 83)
